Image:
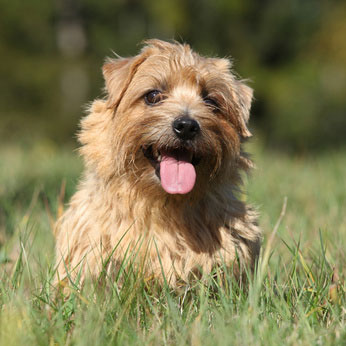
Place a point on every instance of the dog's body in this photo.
(163, 161)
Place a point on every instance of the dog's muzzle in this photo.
(175, 166)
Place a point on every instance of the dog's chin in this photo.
(175, 167)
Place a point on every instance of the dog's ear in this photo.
(118, 74)
(244, 96)
(241, 95)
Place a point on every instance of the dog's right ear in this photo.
(118, 74)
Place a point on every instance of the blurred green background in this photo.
(294, 51)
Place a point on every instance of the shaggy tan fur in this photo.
(120, 207)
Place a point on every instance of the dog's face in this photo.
(178, 118)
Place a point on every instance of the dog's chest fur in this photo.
(168, 239)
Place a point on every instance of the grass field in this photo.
(296, 297)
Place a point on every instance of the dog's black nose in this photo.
(185, 128)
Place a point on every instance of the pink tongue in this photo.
(177, 176)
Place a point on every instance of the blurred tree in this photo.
(294, 51)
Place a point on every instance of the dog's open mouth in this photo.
(175, 168)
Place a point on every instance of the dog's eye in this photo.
(211, 102)
(153, 96)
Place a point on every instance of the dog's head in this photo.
(175, 120)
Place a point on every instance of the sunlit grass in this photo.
(296, 297)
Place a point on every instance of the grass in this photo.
(296, 297)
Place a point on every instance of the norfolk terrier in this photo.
(163, 162)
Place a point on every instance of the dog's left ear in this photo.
(118, 74)
(244, 96)
(241, 95)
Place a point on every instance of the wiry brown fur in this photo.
(120, 206)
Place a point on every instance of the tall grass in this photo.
(297, 295)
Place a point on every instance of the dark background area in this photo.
(293, 51)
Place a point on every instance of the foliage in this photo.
(293, 51)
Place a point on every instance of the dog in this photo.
(163, 170)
